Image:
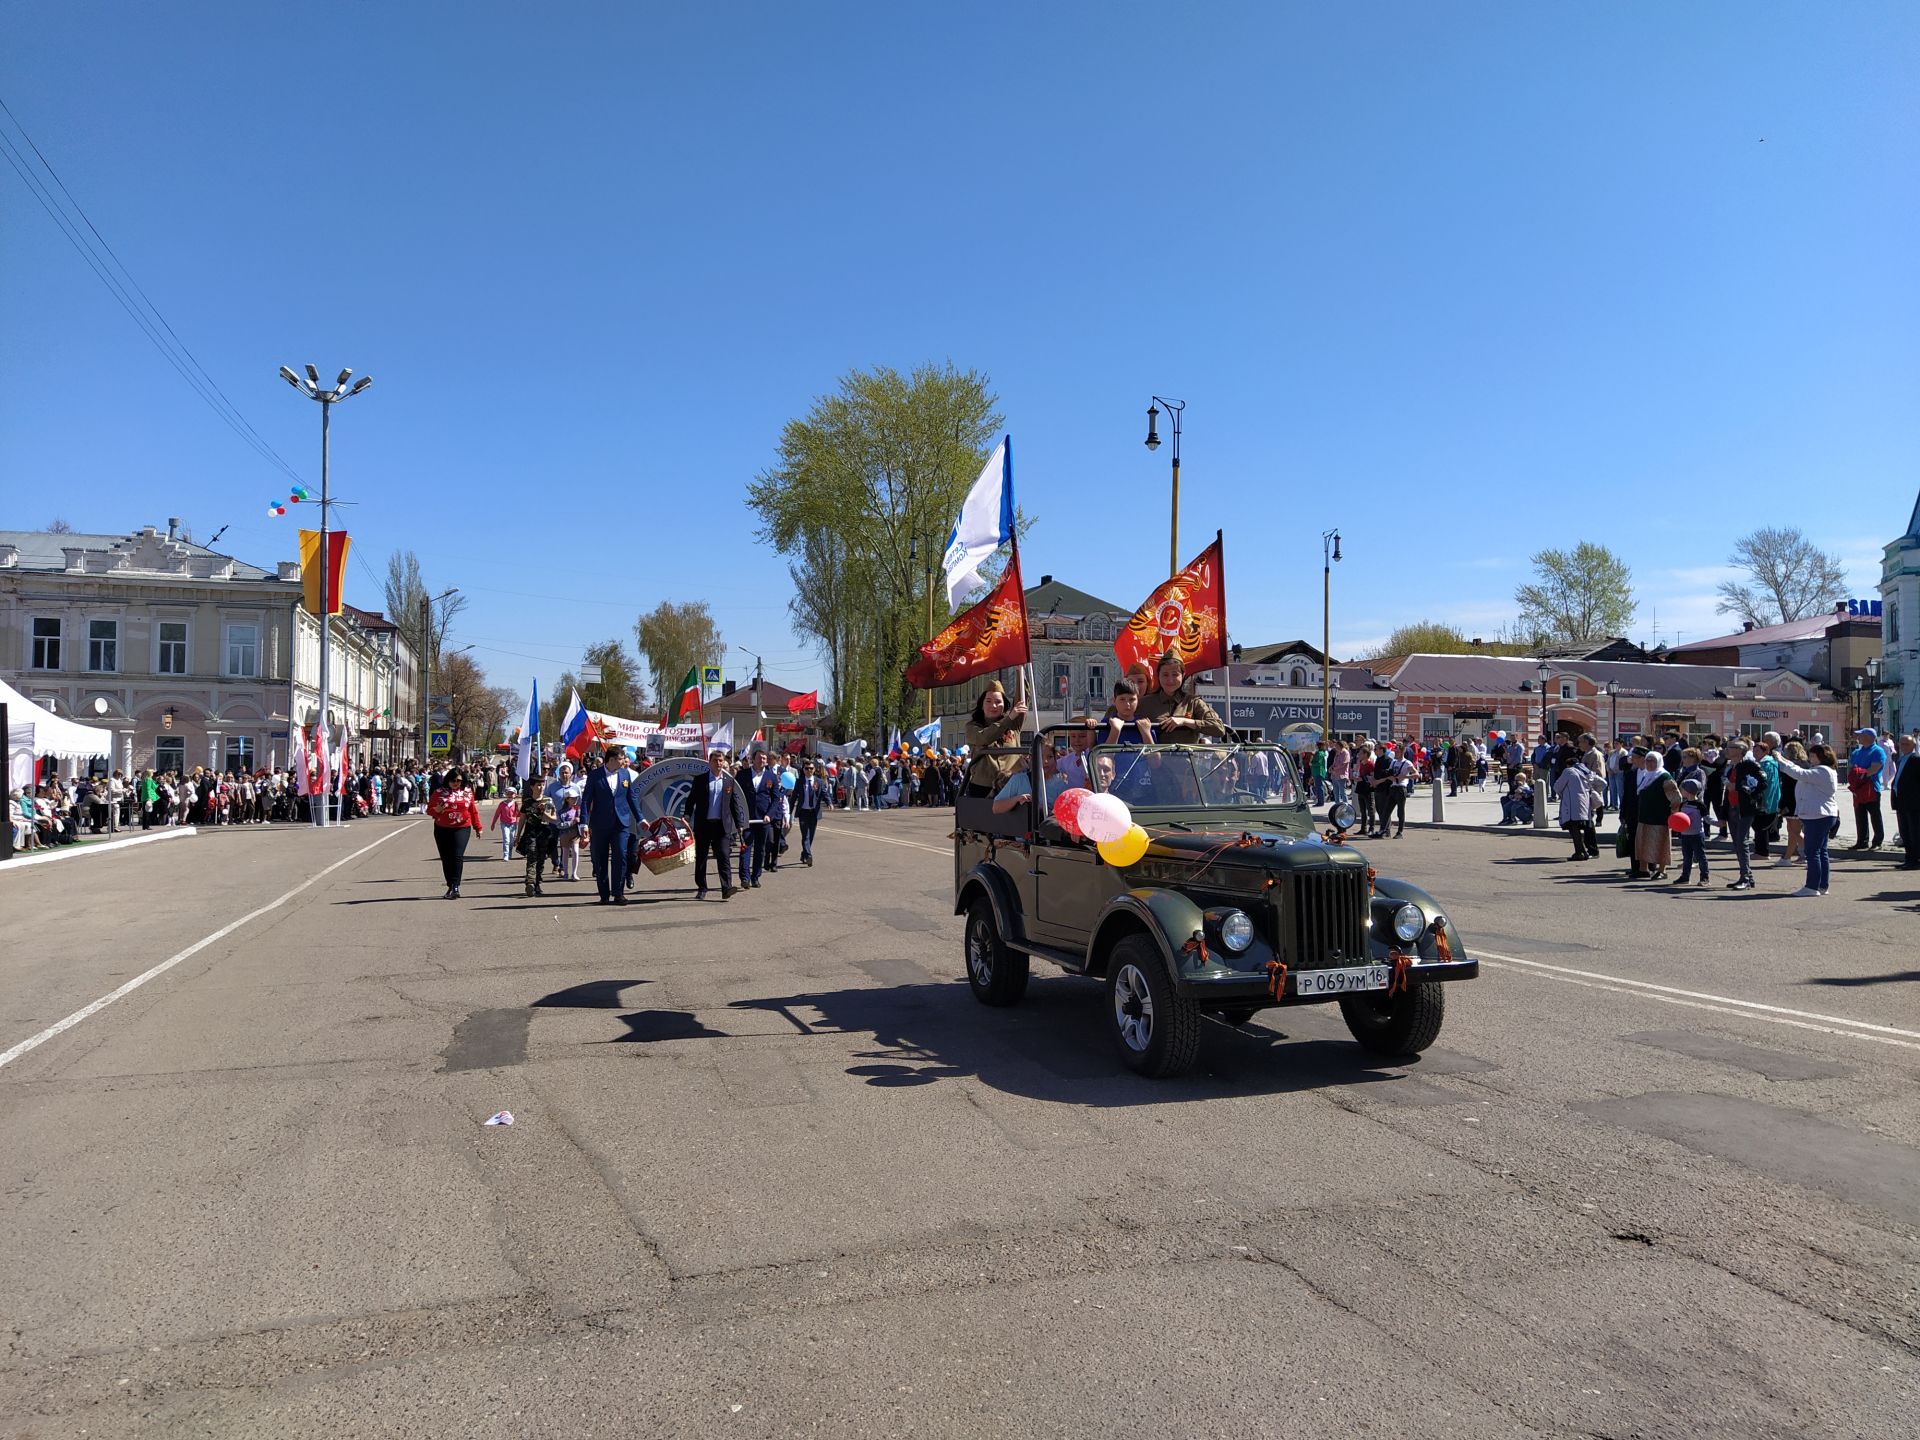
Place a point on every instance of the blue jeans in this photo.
(1814, 835)
(608, 847)
(1339, 790)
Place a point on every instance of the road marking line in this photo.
(1724, 1004)
(889, 840)
(7, 1057)
(98, 847)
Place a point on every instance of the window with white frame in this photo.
(170, 648)
(1566, 689)
(1063, 680)
(103, 645)
(243, 651)
(1096, 682)
(46, 643)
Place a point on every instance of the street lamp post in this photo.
(309, 386)
(1613, 701)
(1541, 789)
(1176, 409)
(426, 666)
(1329, 552)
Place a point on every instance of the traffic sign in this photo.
(709, 674)
(439, 742)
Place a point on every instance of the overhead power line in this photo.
(105, 263)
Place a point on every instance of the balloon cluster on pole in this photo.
(294, 497)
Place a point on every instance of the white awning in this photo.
(36, 730)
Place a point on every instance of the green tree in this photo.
(1427, 637)
(861, 500)
(1789, 578)
(675, 637)
(1581, 594)
(618, 691)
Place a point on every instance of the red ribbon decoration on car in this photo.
(1277, 979)
(1402, 963)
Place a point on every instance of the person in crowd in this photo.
(1905, 790)
(1018, 790)
(536, 835)
(1794, 751)
(1693, 840)
(993, 723)
(762, 786)
(1363, 763)
(505, 816)
(1816, 797)
(1657, 796)
(717, 811)
(1178, 713)
(1766, 823)
(611, 812)
(1516, 806)
(1125, 725)
(809, 794)
(22, 816)
(455, 820)
(1866, 775)
(1580, 790)
(1392, 775)
(565, 791)
(1745, 785)
(1340, 771)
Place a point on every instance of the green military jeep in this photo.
(1238, 904)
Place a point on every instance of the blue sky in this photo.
(1462, 280)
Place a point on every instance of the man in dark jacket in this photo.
(717, 811)
(1906, 799)
(809, 794)
(610, 811)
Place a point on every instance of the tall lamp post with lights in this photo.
(310, 387)
(1613, 701)
(1329, 552)
(1541, 789)
(1176, 410)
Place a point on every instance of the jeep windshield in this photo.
(1228, 776)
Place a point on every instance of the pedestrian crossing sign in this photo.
(439, 742)
(709, 674)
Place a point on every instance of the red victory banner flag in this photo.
(986, 637)
(1186, 616)
(800, 704)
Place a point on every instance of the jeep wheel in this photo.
(1404, 1025)
(1158, 1032)
(996, 972)
(1239, 1015)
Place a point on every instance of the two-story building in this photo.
(187, 656)
(1899, 707)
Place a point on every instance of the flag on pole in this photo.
(529, 734)
(337, 546)
(985, 637)
(928, 734)
(297, 758)
(686, 702)
(985, 523)
(893, 741)
(720, 737)
(322, 750)
(576, 731)
(800, 704)
(1186, 616)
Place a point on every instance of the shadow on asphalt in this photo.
(1894, 977)
(1056, 1045)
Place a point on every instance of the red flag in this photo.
(800, 704)
(1187, 615)
(991, 635)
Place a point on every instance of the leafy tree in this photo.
(476, 711)
(1581, 594)
(1791, 578)
(1427, 637)
(405, 592)
(673, 638)
(618, 691)
(861, 499)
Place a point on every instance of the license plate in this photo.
(1340, 982)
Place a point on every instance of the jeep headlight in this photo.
(1408, 922)
(1342, 816)
(1236, 930)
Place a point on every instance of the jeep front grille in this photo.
(1329, 917)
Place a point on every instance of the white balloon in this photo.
(1104, 817)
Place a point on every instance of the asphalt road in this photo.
(774, 1172)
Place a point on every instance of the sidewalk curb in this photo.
(74, 852)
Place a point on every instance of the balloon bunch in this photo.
(294, 497)
(1103, 819)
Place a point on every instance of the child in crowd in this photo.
(1693, 840)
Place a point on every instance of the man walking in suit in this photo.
(609, 808)
(809, 794)
(717, 812)
(1906, 800)
(763, 798)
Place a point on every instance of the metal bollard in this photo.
(1439, 801)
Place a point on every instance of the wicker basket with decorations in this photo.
(668, 845)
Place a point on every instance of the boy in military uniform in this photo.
(538, 824)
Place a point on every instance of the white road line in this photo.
(1702, 1000)
(7, 1057)
(946, 850)
(99, 847)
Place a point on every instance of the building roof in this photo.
(1267, 654)
(1811, 628)
(372, 620)
(1502, 675)
(1050, 597)
(773, 700)
(45, 551)
(1345, 678)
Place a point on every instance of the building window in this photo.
(1096, 682)
(170, 649)
(1435, 726)
(1566, 689)
(1297, 677)
(243, 651)
(170, 754)
(103, 645)
(1063, 680)
(239, 754)
(46, 644)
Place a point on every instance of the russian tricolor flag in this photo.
(576, 734)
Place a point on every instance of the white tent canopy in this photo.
(34, 730)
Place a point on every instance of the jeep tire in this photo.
(996, 973)
(1156, 1030)
(1405, 1024)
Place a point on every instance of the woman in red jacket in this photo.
(455, 818)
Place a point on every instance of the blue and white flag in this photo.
(529, 734)
(928, 734)
(985, 524)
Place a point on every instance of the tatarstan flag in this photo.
(686, 703)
